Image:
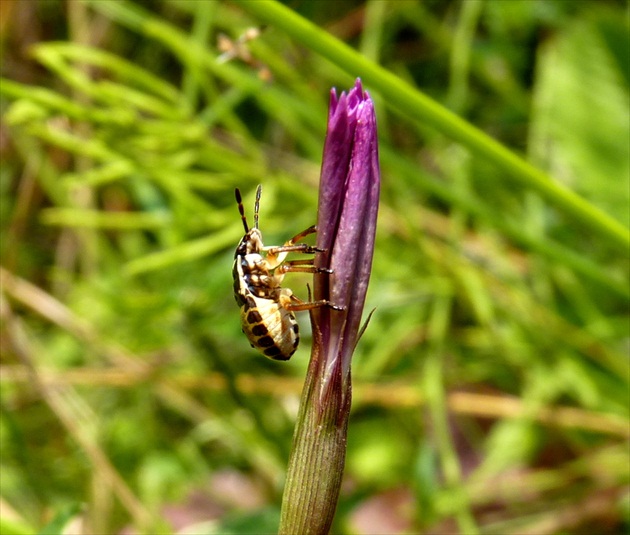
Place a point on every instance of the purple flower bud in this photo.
(346, 223)
(348, 205)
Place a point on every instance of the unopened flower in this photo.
(346, 225)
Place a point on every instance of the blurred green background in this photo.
(491, 389)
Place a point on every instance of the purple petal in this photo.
(348, 205)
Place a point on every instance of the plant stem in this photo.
(317, 454)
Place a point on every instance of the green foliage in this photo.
(491, 387)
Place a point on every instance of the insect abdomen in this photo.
(270, 328)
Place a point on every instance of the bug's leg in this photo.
(302, 266)
(273, 250)
(276, 254)
(292, 245)
(298, 237)
(301, 305)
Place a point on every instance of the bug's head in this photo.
(252, 240)
(250, 243)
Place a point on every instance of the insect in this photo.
(267, 309)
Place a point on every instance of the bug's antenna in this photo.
(257, 205)
(241, 210)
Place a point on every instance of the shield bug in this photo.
(267, 309)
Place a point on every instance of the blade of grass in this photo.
(435, 388)
(76, 217)
(412, 103)
(287, 108)
(476, 206)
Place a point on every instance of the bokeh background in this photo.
(491, 389)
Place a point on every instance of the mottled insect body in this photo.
(267, 309)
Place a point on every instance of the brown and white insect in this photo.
(267, 309)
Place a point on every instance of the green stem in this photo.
(318, 454)
(411, 103)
